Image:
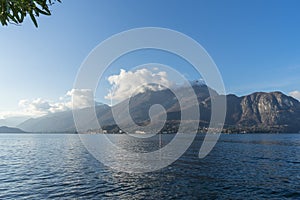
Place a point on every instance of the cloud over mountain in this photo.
(128, 83)
(35, 107)
(80, 98)
(75, 98)
(295, 94)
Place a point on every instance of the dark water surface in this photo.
(57, 166)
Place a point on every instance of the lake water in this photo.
(57, 166)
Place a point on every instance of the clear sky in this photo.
(255, 44)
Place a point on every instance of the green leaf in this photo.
(16, 10)
(12, 18)
(33, 19)
(43, 12)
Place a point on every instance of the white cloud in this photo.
(128, 83)
(8, 114)
(35, 107)
(81, 98)
(295, 94)
(75, 98)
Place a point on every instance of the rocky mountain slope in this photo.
(272, 111)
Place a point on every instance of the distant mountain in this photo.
(257, 112)
(56, 122)
(5, 129)
(13, 121)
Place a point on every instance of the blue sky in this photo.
(255, 44)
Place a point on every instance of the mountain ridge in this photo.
(256, 112)
(6, 129)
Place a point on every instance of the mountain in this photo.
(56, 122)
(140, 104)
(13, 121)
(274, 112)
(5, 129)
(257, 112)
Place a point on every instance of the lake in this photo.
(241, 166)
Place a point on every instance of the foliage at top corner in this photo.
(14, 11)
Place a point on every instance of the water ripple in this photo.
(54, 166)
